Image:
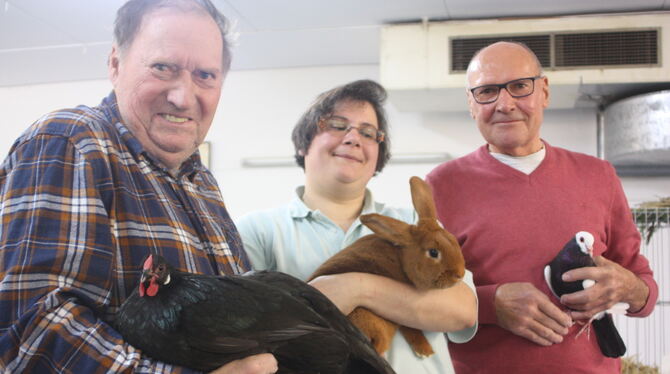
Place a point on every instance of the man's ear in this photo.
(113, 64)
(545, 90)
(471, 103)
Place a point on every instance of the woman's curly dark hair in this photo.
(361, 90)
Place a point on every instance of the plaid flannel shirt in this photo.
(82, 204)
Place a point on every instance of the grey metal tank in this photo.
(637, 134)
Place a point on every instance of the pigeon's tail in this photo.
(609, 340)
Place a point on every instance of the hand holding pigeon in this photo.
(614, 284)
(577, 253)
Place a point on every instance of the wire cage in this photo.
(648, 339)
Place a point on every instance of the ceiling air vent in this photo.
(623, 48)
(463, 49)
(566, 50)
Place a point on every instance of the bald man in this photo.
(513, 203)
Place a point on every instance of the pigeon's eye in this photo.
(581, 239)
(433, 253)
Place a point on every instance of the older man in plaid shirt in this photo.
(87, 193)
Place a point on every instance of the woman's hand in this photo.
(343, 289)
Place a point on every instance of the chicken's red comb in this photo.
(148, 263)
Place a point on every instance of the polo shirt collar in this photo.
(298, 209)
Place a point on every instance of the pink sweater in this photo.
(510, 225)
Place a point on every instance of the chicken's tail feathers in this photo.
(609, 340)
(364, 358)
(368, 365)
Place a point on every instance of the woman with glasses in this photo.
(341, 142)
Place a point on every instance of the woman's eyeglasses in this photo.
(340, 126)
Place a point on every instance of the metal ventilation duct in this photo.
(571, 49)
(637, 134)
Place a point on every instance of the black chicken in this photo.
(205, 321)
(578, 253)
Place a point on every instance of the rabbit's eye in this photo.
(433, 253)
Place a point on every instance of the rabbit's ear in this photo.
(422, 198)
(389, 229)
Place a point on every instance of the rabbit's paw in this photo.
(422, 350)
(417, 341)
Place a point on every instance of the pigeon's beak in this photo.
(590, 249)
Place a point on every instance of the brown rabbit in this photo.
(424, 255)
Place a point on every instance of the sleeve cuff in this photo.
(487, 310)
(651, 299)
(465, 335)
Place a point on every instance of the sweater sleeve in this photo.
(623, 244)
(57, 266)
(487, 310)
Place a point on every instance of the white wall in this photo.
(257, 112)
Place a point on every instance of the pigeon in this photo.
(205, 321)
(578, 252)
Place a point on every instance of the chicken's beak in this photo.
(146, 274)
(148, 284)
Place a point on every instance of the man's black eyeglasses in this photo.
(517, 88)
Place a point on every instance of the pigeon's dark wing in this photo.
(570, 257)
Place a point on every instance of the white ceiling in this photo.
(50, 41)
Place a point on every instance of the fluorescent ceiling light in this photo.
(399, 158)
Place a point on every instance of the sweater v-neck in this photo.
(507, 170)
